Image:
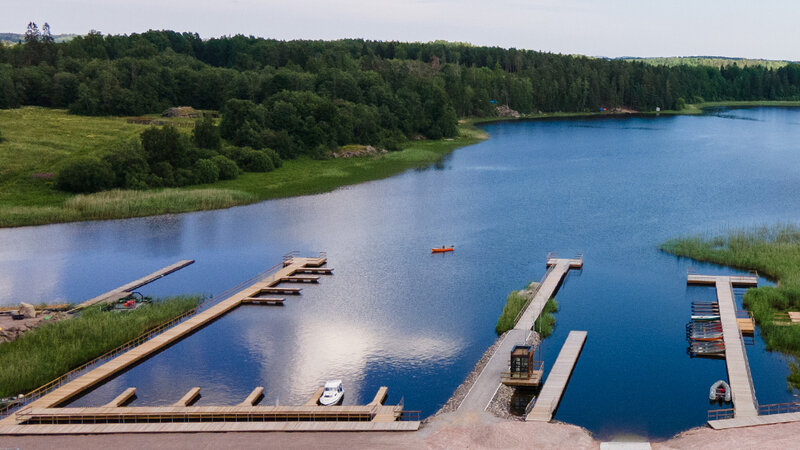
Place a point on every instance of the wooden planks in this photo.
(548, 399)
(278, 290)
(314, 400)
(126, 289)
(121, 399)
(300, 279)
(209, 427)
(488, 381)
(742, 390)
(263, 300)
(380, 397)
(188, 398)
(749, 421)
(122, 362)
(254, 397)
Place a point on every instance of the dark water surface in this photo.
(395, 315)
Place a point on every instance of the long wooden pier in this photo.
(550, 396)
(126, 289)
(93, 378)
(557, 268)
(487, 383)
(745, 404)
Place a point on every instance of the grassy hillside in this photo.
(40, 140)
(712, 61)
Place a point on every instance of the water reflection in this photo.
(395, 315)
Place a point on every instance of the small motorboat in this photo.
(705, 317)
(442, 249)
(720, 391)
(332, 394)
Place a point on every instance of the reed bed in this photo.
(546, 321)
(514, 304)
(120, 204)
(775, 252)
(54, 349)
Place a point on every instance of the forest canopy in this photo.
(303, 97)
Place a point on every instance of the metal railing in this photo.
(28, 418)
(44, 389)
(779, 408)
(533, 294)
(720, 414)
(410, 416)
(537, 365)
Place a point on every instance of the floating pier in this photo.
(550, 396)
(125, 290)
(487, 383)
(739, 378)
(74, 388)
(181, 417)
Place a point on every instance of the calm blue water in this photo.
(395, 315)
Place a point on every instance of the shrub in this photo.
(205, 171)
(129, 166)
(228, 170)
(206, 134)
(165, 144)
(85, 175)
(274, 156)
(256, 161)
(164, 172)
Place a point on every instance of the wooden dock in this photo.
(95, 377)
(488, 381)
(557, 269)
(550, 396)
(125, 290)
(745, 404)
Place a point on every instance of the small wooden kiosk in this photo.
(524, 370)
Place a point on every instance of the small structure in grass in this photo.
(181, 111)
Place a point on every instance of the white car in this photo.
(332, 394)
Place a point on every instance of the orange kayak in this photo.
(441, 249)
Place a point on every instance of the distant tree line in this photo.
(303, 97)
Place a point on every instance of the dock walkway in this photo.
(548, 399)
(126, 289)
(139, 353)
(739, 378)
(487, 383)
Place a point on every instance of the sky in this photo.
(737, 28)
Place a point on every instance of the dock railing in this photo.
(44, 389)
(779, 408)
(720, 414)
(533, 294)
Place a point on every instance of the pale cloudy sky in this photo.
(764, 29)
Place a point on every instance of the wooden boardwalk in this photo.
(739, 378)
(124, 290)
(750, 421)
(95, 377)
(548, 399)
(557, 269)
(488, 381)
(208, 427)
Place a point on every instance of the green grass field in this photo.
(774, 252)
(39, 140)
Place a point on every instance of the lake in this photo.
(394, 314)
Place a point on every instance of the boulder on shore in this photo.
(27, 310)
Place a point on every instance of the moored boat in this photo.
(720, 391)
(332, 394)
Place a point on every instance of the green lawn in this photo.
(39, 140)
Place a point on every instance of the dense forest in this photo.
(302, 97)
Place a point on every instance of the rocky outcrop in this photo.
(505, 111)
(27, 310)
(354, 151)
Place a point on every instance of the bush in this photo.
(2, 139)
(129, 166)
(274, 156)
(85, 175)
(228, 170)
(256, 161)
(205, 171)
(206, 134)
(165, 144)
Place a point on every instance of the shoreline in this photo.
(294, 179)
